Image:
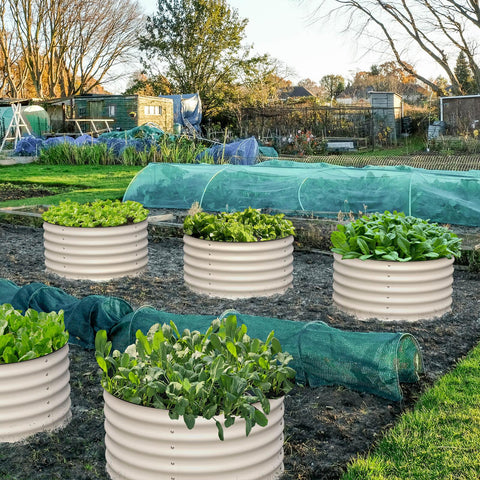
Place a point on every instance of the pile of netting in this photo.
(369, 362)
(319, 189)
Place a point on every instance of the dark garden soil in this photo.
(10, 191)
(325, 427)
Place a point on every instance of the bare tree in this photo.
(104, 35)
(67, 46)
(15, 73)
(439, 28)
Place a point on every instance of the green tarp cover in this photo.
(322, 189)
(370, 362)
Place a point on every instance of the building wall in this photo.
(461, 114)
(128, 111)
(387, 113)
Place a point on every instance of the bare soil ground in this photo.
(325, 427)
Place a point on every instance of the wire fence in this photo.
(430, 162)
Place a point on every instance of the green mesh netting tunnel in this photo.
(322, 189)
(364, 361)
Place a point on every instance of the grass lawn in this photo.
(85, 182)
(439, 439)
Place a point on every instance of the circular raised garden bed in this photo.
(238, 269)
(99, 253)
(143, 443)
(390, 290)
(34, 396)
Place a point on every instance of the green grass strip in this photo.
(439, 439)
(87, 182)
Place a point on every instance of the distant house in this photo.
(295, 92)
(121, 112)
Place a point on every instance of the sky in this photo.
(283, 29)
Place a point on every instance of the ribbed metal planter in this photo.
(99, 253)
(145, 444)
(34, 396)
(238, 270)
(393, 290)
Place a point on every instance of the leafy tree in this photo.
(464, 76)
(141, 84)
(334, 85)
(197, 45)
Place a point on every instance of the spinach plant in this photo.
(247, 226)
(29, 336)
(101, 213)
(221, 372)
(394, 237)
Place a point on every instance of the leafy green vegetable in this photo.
(33, 335)
(221, 372)
(101, 213)
(394, 237)
(247, 226)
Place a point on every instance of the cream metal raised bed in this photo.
(143, 443)
(99, 253)
(34, 396)
(238, 270)
(393, 290)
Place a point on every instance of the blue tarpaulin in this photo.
(241, 152)
(187, 106)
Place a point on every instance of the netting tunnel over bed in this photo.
(321, 189)
(322, 355)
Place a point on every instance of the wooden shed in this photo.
(122, 112)
(461, 114)
(387, 113)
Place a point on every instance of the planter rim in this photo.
(242, 243)
(98, 226)
(33, 359)
(338, 256)
(199, 418)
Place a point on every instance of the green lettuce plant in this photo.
(29, 336)
(394, 237)
(247, 226)
(221, 372)
(101, 213)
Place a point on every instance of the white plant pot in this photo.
(393, 290)
(34, 396)
(238, 270)
(143, 443)
(99, 253)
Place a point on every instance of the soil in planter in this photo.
(324, 427)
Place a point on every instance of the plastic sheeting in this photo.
(141, 138)
(187, 106)
(322, 355)
(35, 116)
(321, 189)
(241, 152)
